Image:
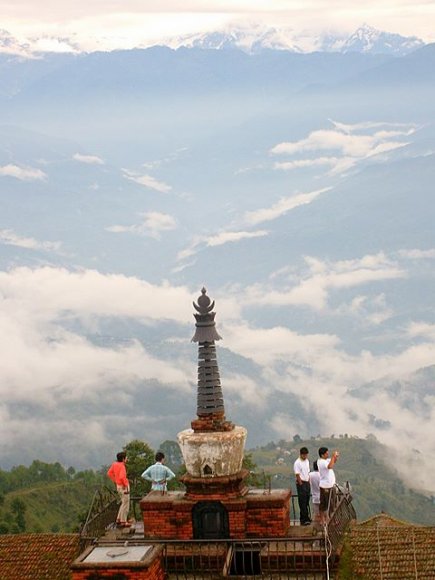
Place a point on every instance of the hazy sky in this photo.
(115, 23)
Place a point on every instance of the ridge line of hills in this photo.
(158, 69)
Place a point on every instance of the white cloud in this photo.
(153, 224)
(53, 44)
(323, 277)
(88, 159)
(49, 292)
(268, 345)
(188, 252)
(343, 140)
(301, 163)
(23, 173)
(10, 238)
(384, 148)
(342, 165)
(226, 237)
(251, 393)
(369, 310)
(323, 140)
(338, 164)
(219, 239)
(155, 163)
(417, 254)
(364, 125)
(147, 181)
(422, 329)
(348, 144)
(281, 207)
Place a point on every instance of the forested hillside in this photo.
(375, 486)
(48, 497)
(45, 497)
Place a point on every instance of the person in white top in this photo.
(327, 480)
(315, 490)
(302, 472)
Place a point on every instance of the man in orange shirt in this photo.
(118, 475)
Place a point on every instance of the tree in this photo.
(249, 464)
(18, 507)
(70, 472)
(4, 528)
(139, 457)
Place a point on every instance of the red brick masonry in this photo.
(215, 488)
(256, 514)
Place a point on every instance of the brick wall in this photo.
(259, 515)
(268, 516)
(167, 517)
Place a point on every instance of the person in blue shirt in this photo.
(158, 473)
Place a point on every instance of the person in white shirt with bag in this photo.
(327, 481)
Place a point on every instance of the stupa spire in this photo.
(210, 400)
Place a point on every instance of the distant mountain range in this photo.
(365, 39)
(252, 39)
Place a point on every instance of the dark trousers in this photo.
(304, 501)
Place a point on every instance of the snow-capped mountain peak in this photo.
(370, 40)
(255, 38)
(249, 38)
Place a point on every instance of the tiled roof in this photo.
(384, 519)
(392, 550)
(37, 556)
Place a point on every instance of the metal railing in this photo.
(341, 513)
(101, 514)
(296, 559)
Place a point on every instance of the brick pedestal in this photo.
(255, 514)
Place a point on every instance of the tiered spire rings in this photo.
(210, 399)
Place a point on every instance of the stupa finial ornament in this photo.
(205, 324)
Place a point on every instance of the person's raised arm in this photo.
(334, 458)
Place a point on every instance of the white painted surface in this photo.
(118, 554)
(213, 454)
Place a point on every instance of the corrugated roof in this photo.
(37, 556)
